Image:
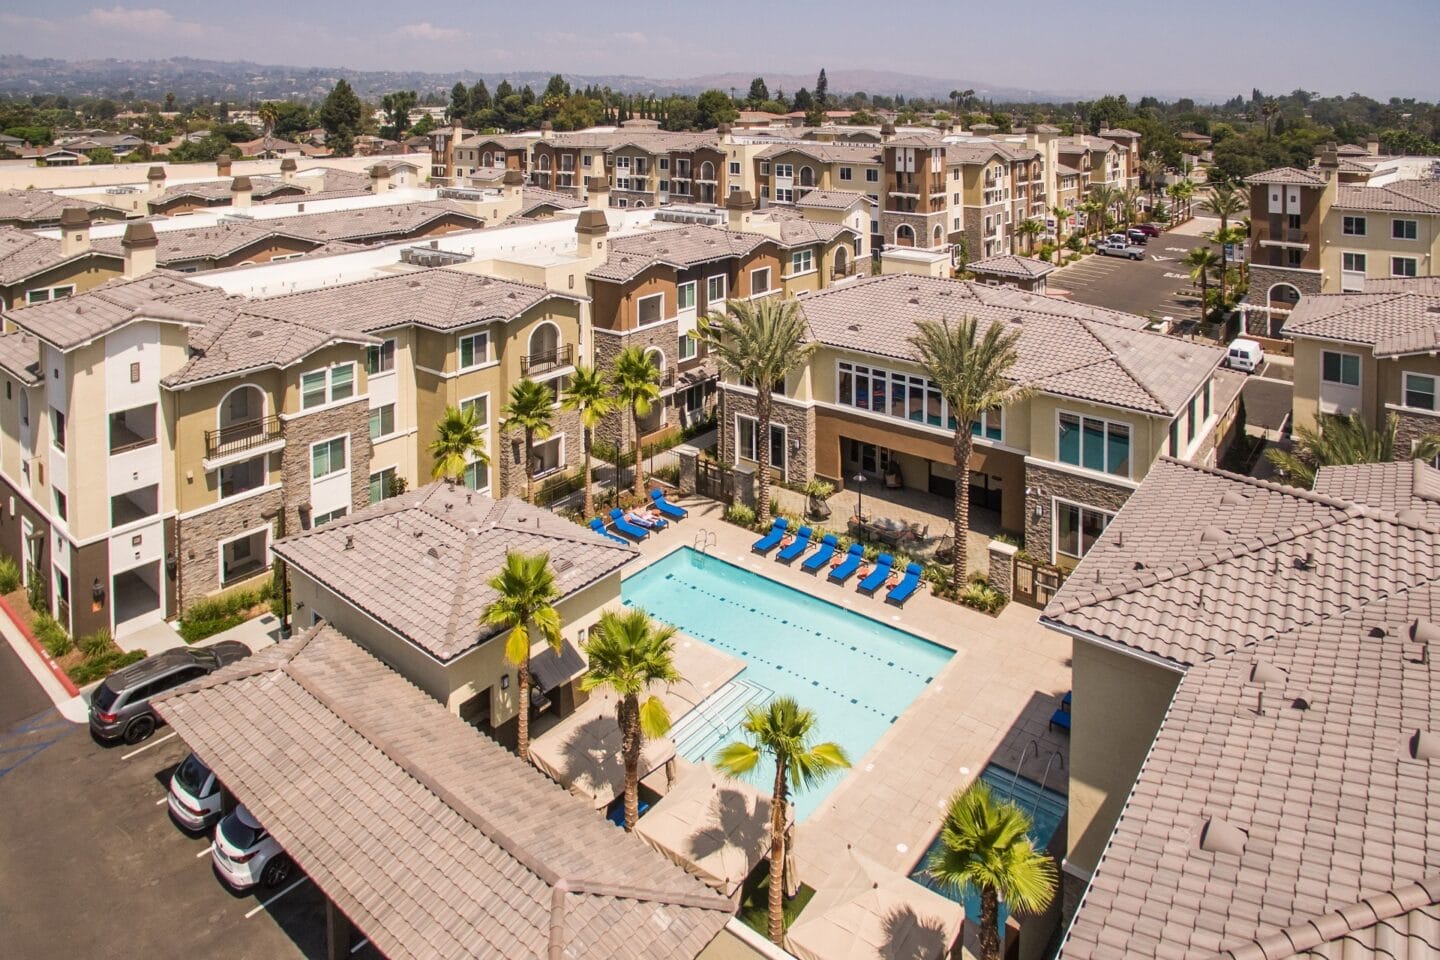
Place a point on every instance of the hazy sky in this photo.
(1379, 47)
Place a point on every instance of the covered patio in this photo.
(582, 754)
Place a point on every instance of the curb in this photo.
(60, 675)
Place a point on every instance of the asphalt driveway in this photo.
(1158, 286)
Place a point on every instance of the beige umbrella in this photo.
(582, 754)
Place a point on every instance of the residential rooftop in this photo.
(44, 207)
(24, 254)
(1401, 318)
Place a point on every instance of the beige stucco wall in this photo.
(1378, 245)
(1305, 404)
(196, 411)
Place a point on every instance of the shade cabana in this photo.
(582, 753)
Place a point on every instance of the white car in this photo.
(246, 855)
(195, 795)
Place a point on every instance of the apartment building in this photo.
(1129, 143)
(785, 172)
(1100, 161)
(644, 166)
(487, 152)
(1110, 398)
(35, 269)
(38, 209)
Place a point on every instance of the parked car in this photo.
(195, 795)
(245, 855)
(120, 707)
(1116, 248)
(1149, 229)
(1244, 355)
(1136, 235)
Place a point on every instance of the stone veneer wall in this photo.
(200, 537)
(1263, 277)
(1066, 486)
(510, 471)
(300, 432)
(664, 336)
(922, 223)
(799, 425)
(1411, 427)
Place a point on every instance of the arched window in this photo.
(544, 161)
(243, 405)
(707, 171)
(939, 236)
(488, 159)
(807, 176)
(904, 235)
(841, 263)
(1284, 294)
(544, 340)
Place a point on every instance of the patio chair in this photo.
(598, 526)
(799, 546)
(903, 590)
(772, 539)
(1061, 719)
(878, 576)
(847, 567)
(618, 521)
(822, 556)
(669, 509)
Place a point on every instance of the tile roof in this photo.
(1403, 319)
(1402, 196)
(831, 199)
(20, 357)
(653, 141)
(532, 198)
(360, 223)
(1083, 142)
(1118, 132)
(1067, 349)
(74, 321)
(236, 342)
(1288, 175)
(220, 191)
(1392, 487)
(681, 248)
(1399, 924)
(971, 152)
(445, 543)
(1009, 265)
(431, 838)
(23, 254)
(40, 206)
(205, 243)
(827, 152)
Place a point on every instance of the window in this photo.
(715, 290)
(664, 186)
(481, 406)
(312, 389)
(1095, 444)
(1403, 266)
(50, 293)
(904, 396)
(650, 309)
(734, 168)
(61, 505)
(477, 476)
(685, 349)
(846, 173)
(685, 296)
(1077, 528)
(991, 426)
(759, 281)
(1352, 226)
(1341, 368)
(1190, 419)
(802, 261)
(380, 359)
(57, 429)
(382, 421)
(1404, 229)
(238, 478)
(381, 484)
(745, 427)
(764, 168)
(1175, 437)
(321, 519)
(474, 350)
(872, 176)
(664, 163)
(1352, 262)
(784, 195)
(327, 457)
(784, 171)
(622, 163)
(319, 386)
(547, 457)
(342, 382)
(1419, 391)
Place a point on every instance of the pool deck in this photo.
(987, 705)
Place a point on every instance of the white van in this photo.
(1245, 355)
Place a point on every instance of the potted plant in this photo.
(817, 495)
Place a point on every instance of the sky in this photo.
(1207, 49)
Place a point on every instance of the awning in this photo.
(551, 669)
(582, 753)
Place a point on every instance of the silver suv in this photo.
(120, 707)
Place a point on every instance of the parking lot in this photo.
(91, 863)
(1157, 286)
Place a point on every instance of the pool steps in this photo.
(705, 729)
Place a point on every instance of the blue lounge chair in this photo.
(908, 585)
(772, 539)
(822, 556)
(1061, 719)
(878, 576)
(801, 544)
(849, 565)
(666, 507)
(598, 526)
(618, 521)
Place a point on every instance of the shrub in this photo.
(51, 635)
(740, 515)
(9, 575)
(670, 473)
(1005, 538)
(97, 643)
(213, 614)
(37, 596)
(979, 595)
(98, 668)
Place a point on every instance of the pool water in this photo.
(856, 674)
(1045, 807)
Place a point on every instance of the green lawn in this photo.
(755, 902)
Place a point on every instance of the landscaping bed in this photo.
(84, 660)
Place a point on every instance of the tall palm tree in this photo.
(269, 115)
(1153, 167)
(531, 410)
(972, 371)
(636, 381)
(1184, 192)
(1129, 200)
(588, 393)
(1224, 202)
(1029, 229)
(1347, 439)
(1203, 261)
(526, 596)
(1061, 214)
(1103, 197)
(781, 729)
(458, 438)
(628, 653)
(760, 344)
(985, 846)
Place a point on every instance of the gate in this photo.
(714, 481)
(1036, 583)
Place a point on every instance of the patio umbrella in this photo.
(792, 873)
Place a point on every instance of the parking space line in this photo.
(356, 948)
(162, 799)
(152, 743)
(277, 896)
(205, 851)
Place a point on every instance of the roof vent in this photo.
(349, 541)
(915, 300)
(853, 328)
(1306, 562)
(564, 563)
(1213, 534)
(255, 334)
(1139, 565)
(1262, 671)
(1233, 499)
(433, 553)
(1424, 745)
(1435, 309)
(1219, 836)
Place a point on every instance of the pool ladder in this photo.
(1049, 762)
(704, 540)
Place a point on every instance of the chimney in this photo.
(1372, 146)
(547, 130)
(287, 170)
(379, 179)
(140, 245)
(240, 192)
(590, 233)
(156, 180)
(1032, 138)
(887, 132)
(599, 193)
(740, 207)
(724, 131)
(74, 231)
(1329, 161)
(512, 185)
(222, 166)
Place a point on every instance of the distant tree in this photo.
(503, 90)
(759, 93)
(397, 107)
(556, 88)
(714, 107)
(803, 100)
(822, 90)
(342, 115)
(106, 110)
(102, 155)
(291, 119)
(169, 102)
(269, 115)
(423, 126)
(459, 107)
(479, 97)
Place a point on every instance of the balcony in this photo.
(240, 436)
(1285, 237)
(132, 429)
(667, 378)
(537, 364)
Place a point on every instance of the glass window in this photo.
(342, 382)
(872, 176)
(57, 429)
(1353, 226)
(1092, 444)
(60, 505)
(747, 442)
(323, 518)
(802, 261)
(327, 457)
(481, 406)
(759, 280)
(1341, 368)
(846, 173)
(650, 309)
(380, 359)
(685, 348)
(380, 484)
(1404, 229)
(988, 426)
(477, 477)
(734, 168)
(1175, 437)
(685, 296)
(1206, 395)
(1077, 528)
(1352, 262)
(1095, 444)
(1403, 267)
(382, 421)
(312, 389)
(474, 350)
(1190, 418)
(1419, 391)
(715, 290)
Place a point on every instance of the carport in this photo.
(426, 837)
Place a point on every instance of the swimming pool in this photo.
(1045, 807)
(858, 675)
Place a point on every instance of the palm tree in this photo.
(760, 344)
(986, 846)
(1343, 439)
(1183, 192)
(781, 729)
(269, 115)
(459, 437)
(1153, 167)
(971, 369)
(526, 597)
(1202, 261)
(531, 410)
(628, 652)
(1029, 229)
(1103, 197)
(636, 380)
(1061, 214)
(588, 393)
(1129, 200)
(1224, 202)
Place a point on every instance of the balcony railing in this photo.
(667, 378)
(538, 363)
(840, 271)
(240, 436)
